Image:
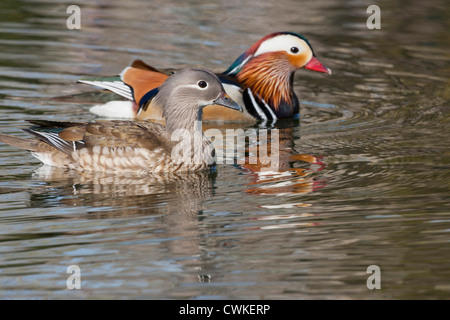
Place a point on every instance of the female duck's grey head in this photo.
(185, 93)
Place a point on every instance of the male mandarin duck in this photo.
(260, 80)
(137, 146)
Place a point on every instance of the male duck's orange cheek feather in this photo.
(268, 76)
(300, 60)
(142, 81)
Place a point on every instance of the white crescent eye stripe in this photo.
(194, 86)
(283, 43)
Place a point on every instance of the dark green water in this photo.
(378, 127)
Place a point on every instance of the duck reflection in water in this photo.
(270, 158)
(175, 203)
(294, 174)
(180, 193)
(171, 206)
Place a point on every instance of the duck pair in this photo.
(260, 80)
(259, 84)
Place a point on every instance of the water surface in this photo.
(364, 178)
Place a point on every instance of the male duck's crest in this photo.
(265, 73)
(278, 41)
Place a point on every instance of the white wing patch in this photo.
(115, 86)
(283, 42)
(54, 140)
(115, 109)
(45, 158)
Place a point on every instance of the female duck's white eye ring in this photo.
(202, 84)
(294, 50)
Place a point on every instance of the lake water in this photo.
(364, 181)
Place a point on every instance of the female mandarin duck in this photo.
(260, 80)
(136, 146)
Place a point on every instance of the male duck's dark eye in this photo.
(202, 84)
(294, 50)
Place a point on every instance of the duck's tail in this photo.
(27, 144)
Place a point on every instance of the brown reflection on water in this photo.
(363, 178)
(124, 191)
(288, 177)
(176, 201)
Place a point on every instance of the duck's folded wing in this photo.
(63, 136)
(133, 82)
(123, 134)
(114, 84)
(142, 78)
(70, 136)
